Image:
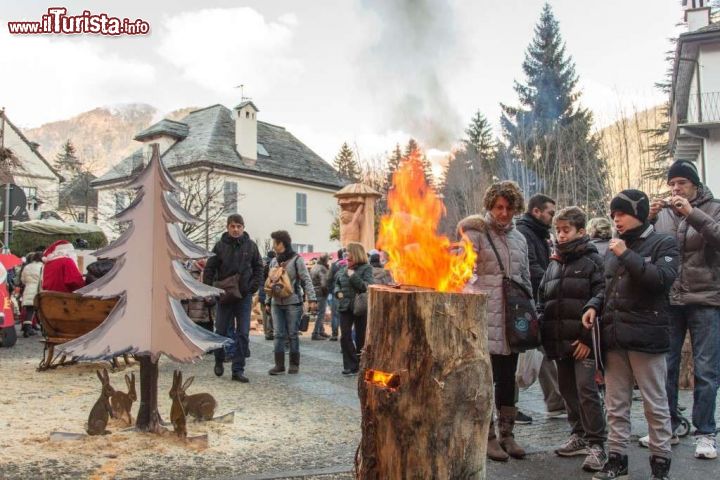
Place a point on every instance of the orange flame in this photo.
(417, 254)
(382, 379)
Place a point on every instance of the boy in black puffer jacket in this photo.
(640, 268)
(573, 278)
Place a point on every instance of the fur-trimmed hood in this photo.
(473, 222)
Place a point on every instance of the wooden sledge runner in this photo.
(66, 316)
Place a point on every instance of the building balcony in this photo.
(692, 116)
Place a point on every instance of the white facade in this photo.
(695, 114)
(266, 205)
(34, 175)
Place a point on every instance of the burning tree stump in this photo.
(425, 386)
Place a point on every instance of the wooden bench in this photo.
(66, 316)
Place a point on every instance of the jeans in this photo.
(503, 369)
(320, 320)
(576, 379)
(233, 321)
(704, 326)
(351, 348)
(286, 319)
(335, 318)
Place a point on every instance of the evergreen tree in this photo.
(412, 147)
(396, 157)
(346, 165)
(480, 146)
(549, 135)
(67, 161)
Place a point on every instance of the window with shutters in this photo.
(301, 208)
(230, 197)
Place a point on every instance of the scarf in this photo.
(286, 255)
(635, 233)
(499, 229)
(573, 248)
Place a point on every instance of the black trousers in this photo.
(503, 368)
(351, 348)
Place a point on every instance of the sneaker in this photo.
(645, 441)
(348, 372)
(615, 468)
(558, 414)
(705, 447)
(522, 419)
(595, 460)
(239, 377)
(660, 467)
(573, 446)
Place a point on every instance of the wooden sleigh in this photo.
(66, 316)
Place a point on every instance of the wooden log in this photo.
(425, 386)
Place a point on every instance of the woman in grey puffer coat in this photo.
(502, 201)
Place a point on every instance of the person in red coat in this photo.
(60, 272)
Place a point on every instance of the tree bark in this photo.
(148, 419)
(432, 421)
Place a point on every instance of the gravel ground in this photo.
(290, 424)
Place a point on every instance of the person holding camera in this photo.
(287, 279)
(692, 216)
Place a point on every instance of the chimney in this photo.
(697, 14)
(246, 131)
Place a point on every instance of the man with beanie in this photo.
(60, 272)
(692, 216)
(640, 268)
(235, 254)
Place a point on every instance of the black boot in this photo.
(294, 363)
(660, 467)
(279, 367)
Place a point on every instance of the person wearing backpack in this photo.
(574, 277)
(640, 268)
(287, 279)
(334, 269)
(351, 281)
(319, 274)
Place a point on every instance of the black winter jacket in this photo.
(635, 307)
(346, 286)
(537, 236)
(235, 255)
(572, 279)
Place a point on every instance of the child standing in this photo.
(574, 277)
(640, 268)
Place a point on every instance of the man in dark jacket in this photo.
(234, 254)
(535, 226)
(692, 216)
(640, 268)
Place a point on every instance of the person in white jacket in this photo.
(30, 278)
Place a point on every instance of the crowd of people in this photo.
(640, 289)
(615, 297)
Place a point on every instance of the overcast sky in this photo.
(370, 72)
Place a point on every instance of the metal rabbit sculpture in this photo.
(98, 419)
(177, 412)
(122, 402)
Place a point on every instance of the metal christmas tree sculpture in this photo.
(150, 281)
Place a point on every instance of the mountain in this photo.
(625, 144)
(102, 136)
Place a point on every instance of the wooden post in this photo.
(425, 385)
(148, 418)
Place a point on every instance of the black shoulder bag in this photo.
(522, 327)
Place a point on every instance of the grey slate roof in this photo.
(246, 102)
(168, 127)
(211, 141)
(78, 192)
